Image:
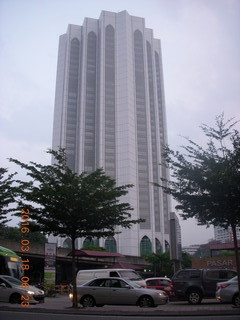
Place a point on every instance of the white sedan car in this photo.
(117, 291)
(11, 290)
(228, 291)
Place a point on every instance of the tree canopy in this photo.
(7, 195)
(15, 234)
(71, 205)
(206, 180)
(161, 265)
(66, 204)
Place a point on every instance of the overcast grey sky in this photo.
(201, 64)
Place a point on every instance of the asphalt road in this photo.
(60, 307)
(8, 315)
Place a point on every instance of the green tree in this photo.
(10, 233)
(186, 260)
(161, 265)
(14, 233)
(206, 181)
(93, 248)
(7, 195)
(70, 205)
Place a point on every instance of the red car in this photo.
(160, 284)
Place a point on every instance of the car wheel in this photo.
(194, 296)
(87, 301)
(15, 298)
(145, 302)
(236, 300)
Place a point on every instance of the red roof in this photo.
(90, 253)
(223, 246)
(123, 265)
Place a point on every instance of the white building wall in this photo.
(126, 128)
(225, 235)
(128, 242)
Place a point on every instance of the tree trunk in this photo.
(74, 282)
(233, 226)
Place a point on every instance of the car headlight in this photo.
(70, 296)
(162, 294)
(30, 292)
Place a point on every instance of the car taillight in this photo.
(222, 285)
(171, 286)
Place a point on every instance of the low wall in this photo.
(228, 262)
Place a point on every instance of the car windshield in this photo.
(133, 284)
(234, 279)
(13, 281)
(131, 275)
(15, 269)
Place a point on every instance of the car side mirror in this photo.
(127, 287)
(3, 285)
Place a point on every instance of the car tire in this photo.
(194, 296)
(87, 301)
(145, 302)
(15, 298)
(236, 300)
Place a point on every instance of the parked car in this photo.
(228, 291)
(85, 275)
(161, 283)
(195, 284)
(11, 290)
(117, 291)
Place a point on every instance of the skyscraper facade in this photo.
(110, 113)
(225, 235)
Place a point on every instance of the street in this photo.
(60, 307)
(9, 315)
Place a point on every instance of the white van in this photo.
(85, 275)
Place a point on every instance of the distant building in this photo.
(192, 249)
(175, 241)
(225, 235)
(110, 113)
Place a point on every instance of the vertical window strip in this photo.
(71, 122)
(90, 108)
(143, 178)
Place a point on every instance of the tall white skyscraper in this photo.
(110, 113)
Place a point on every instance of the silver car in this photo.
(12, 290)
(117, 291)
(228, 291)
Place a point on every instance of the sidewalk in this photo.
(61, 304)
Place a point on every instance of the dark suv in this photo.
(195, 284)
